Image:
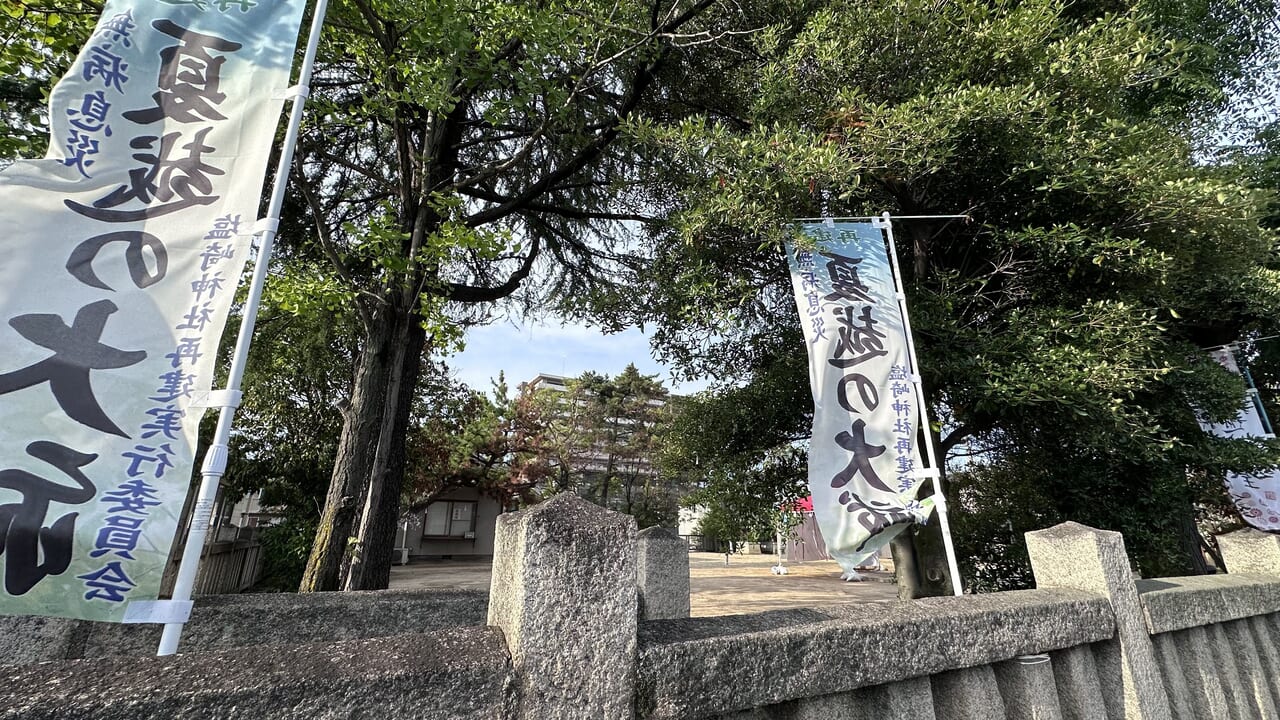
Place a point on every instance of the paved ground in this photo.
(745, 585)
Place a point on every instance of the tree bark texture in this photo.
(372, 419)
(905, 570)
(1192, 544)
(378, 536)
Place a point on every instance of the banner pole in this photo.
(940, 499)
(215, 460)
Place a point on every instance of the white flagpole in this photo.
(215, 461)
(940, 499)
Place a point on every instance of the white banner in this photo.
(1257, 497)
(862, 458)
(119, 257)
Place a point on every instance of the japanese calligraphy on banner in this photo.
(1257, 497)
(119, 256)
(862, 458)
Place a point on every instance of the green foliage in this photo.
(287, 427)
(284, 552)
(38, 42)
(458, 154)
(750, 503)
(464, 438)
(1060, 331)
(603, 436)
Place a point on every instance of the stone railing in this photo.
(588, 619)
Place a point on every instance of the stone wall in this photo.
(224, 622)
(567, 637)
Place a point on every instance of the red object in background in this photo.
(801, 505)
(806, 541)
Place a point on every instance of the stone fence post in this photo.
(1074, 556)
(564, 594)
(662, 571)
(1250, 551)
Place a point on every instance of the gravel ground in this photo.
(745, 585)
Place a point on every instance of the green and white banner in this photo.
(119, 257)
(863, 457)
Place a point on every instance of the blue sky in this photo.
(531, 348)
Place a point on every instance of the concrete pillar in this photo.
(1256, 684)
(564, 595)
(1250, 551)
(662, 570)
(1195, 655)
(1079, 689)
(1175, 683)
(1028, 688)
(1227, 663)
(1268, 654)
(968, 694)
(1071, 555)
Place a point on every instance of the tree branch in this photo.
(644, 76)
(574, 213)
(458, 292)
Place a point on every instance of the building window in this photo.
(450, 519)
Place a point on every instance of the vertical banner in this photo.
(862, 458)
(1257, 497)
(119, 257)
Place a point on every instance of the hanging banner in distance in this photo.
(1257, 497)
(863, 455)
(120, 253)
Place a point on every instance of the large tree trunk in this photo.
(1192, 544)
(905, 571)
(933, 575)
(377, 536)
(371, 422)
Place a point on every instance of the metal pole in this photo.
(940, 501)
(215, 461)
(881, 217)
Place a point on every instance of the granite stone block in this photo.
(1195, 654)
(1079, 690)
(822, 651)
(1228, 673)
(450, 675)
(1250, 551)
(1175, 684)
(564, 595)
(1268, 656)
(1028, 688)
(905, 700)
(28, 639)
(662, 572)
(1178, 603)
(1257, 691)
(967, 694)
(221, 622)
(1074, 556)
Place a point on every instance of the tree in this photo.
(1060, 330)
(457, 154)
(741, 451)
(497, 446)
(752, 503)
(38, 42)
(603, 437)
